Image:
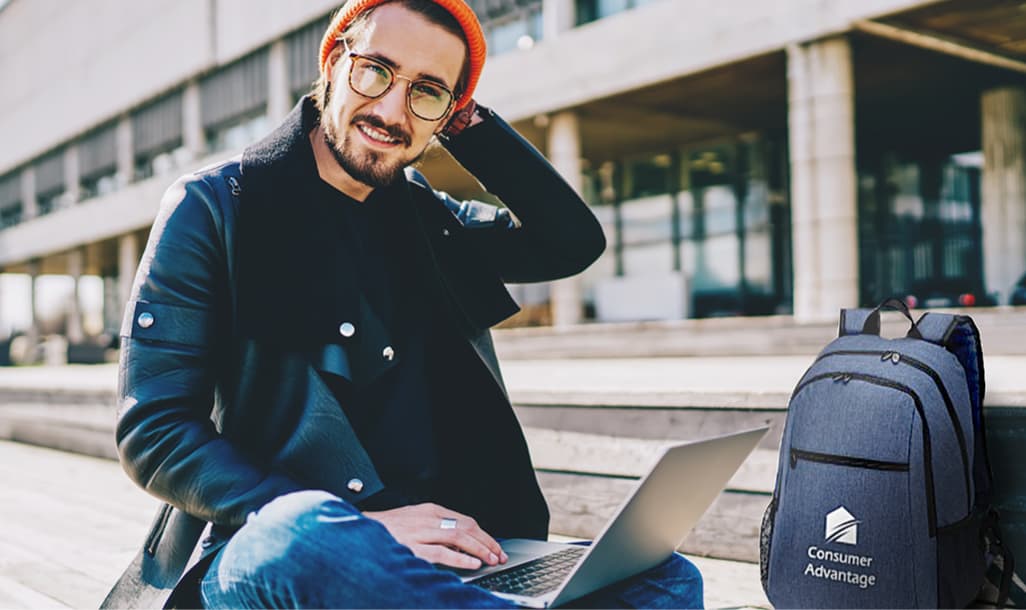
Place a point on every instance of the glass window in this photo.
(593, 10)
(49, 173)
(10, 199)
(920, 228)
(157, 136)
(238, 135)
(234, 103)
(97, 162)
(303, 47)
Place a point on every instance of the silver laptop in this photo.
(649, 526)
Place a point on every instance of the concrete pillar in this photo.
(279, 98)
(193, 137)
(33, 333)
(76, 264)
(1003, 208)
(821, 119)
(72, 188)
(29, 203)
(112, 305)
(558, 16)
(128, 262)
(125, 150)
(564, 147)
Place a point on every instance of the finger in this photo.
(470, 526)
(447, 557)
(466, 542)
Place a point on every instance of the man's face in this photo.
(374, 139)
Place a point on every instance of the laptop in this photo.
(646, 530)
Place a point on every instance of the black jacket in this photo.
(234, 311)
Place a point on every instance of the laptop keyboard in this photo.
(536, 577)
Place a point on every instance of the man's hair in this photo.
(432, 11)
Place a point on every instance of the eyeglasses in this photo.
(371, 78)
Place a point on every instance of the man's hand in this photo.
(419, 527)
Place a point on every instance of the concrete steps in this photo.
(1003, 330)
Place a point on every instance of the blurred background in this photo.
(746, 157)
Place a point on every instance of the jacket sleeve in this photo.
(557, 235)
(169, 365)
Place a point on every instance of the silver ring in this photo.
(447, 524)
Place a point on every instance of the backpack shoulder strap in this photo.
(854, 322)
(959, 335)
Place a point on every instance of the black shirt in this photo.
(390, 414)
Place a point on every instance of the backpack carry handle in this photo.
(867, 321)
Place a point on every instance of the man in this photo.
(306, 364)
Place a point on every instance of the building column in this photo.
(193, 137)
(279, 98)
(112, 306)
(33, 334)
(564, 148)
(76, 264)
(821, 120)
(125, 151)
(128, 262)
(72, 188)
(1003, 207)
(29, 203)
(558, 16)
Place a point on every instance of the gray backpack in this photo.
(883, 488)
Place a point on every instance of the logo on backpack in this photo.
(842, 527)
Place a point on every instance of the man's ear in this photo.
(329, 65)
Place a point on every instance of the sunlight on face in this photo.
(373, 140)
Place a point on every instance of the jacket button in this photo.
(355, 485)
(145, 319)
(346, 329)
(445, 232)
(388, 353)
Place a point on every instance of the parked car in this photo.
(1019, 292)
(948, 292)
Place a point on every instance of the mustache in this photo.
(392, 130)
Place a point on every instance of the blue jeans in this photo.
(311, 549)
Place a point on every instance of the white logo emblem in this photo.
(842, 527)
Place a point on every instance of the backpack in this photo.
(883, 490)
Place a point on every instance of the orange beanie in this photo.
(458, 8)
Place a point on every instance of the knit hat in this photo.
(457, 8)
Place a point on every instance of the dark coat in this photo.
(222, 408)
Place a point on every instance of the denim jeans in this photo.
(311, 549)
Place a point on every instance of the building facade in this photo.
(745, 157)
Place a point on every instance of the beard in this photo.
(370, 167)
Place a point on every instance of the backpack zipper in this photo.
(931, 500)
(844, 460)
(895, 358)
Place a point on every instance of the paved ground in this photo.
(69, 524)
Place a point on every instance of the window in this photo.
(509, 24)
(157, 136)
(593, 10)
(233, 103)
(49, 171)
(302, 49)
(98, 162)
(10, 199)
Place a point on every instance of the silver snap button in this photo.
(445, 232)
(346, 329)
(355, 485)
(146, 319)
(388, 353)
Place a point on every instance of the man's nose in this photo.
(391, 107)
